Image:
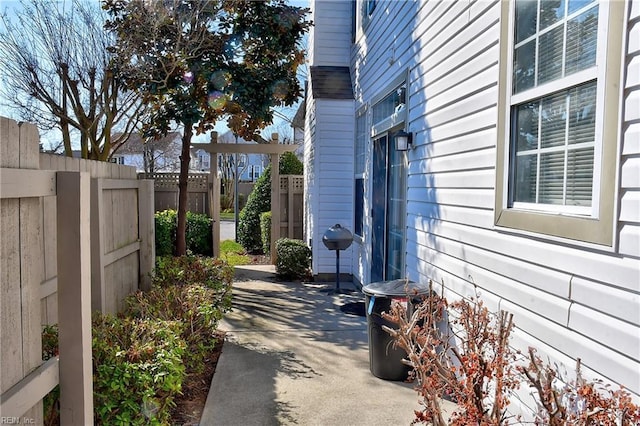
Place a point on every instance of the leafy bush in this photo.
(199, 239)
(215, 274)
(194, 306)
(290, 165)
(138, 369)
(166, 225)
(294, 259)
(198, 234)
(259, 201)
(265, 231)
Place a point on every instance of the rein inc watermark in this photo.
(17, 421)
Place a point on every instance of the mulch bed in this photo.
(190, 405)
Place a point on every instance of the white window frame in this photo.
(594, 224)
(361, 113)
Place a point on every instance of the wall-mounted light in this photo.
(403, 140)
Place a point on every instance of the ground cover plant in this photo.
(233, 253)
(152, 357)
(460, 351)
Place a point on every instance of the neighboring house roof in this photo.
(331, 82)
(135, 143)
(298, 119)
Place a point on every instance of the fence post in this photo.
(74, 298)
(275, 201)
(290, 215)
(146, 232)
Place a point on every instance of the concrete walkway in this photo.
(292, 357)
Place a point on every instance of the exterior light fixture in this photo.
(403, 140)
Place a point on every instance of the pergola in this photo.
(274, 149)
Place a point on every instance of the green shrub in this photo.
(265, 231)
(290, 165)
(166, 224)
(137, 370)
(195, 306)
(259, 201)
(213, 273)
(199, 239)
(294, 259)
(198, 233)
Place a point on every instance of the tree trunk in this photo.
(185, 158)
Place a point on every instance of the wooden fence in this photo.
(77, 236)
(166, 191)
(199, 185)
(291, 206)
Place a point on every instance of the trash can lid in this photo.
(399, 287)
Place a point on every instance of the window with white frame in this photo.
(117, 159)
(558, 131)
(360, 164)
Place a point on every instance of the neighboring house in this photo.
(523, 180)
(250, 166)
(162, 155)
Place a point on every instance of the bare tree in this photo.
(57, 74)
(227, 168)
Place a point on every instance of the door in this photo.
(388, 213)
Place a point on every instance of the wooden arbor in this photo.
(274, 149)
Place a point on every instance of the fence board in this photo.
(17, 183)
(11, 326)
(291, 200)
(35, 386)
(36, 282)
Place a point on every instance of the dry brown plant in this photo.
(461, 352)
(578, 402)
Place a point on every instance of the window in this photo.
(557, 132)
(366, 11)
(256, 172)
(360, 157)
(118, 159)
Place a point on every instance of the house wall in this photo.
(569, 301)
(331, 176)
(331, 46)
(310, 176)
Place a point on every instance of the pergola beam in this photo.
(245, 148)
(274, 149)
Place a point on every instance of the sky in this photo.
(50, 138)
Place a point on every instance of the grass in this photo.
(233, 253)
(227, 215)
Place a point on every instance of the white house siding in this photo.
(334, 173)
(331, 45)
(569, 300)
(310, 175)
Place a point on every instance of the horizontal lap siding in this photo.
(582, 302)
(629, 236)
(310, 177)
(334, 172)
(331, 46)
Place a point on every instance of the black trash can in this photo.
(385, 361)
